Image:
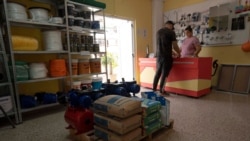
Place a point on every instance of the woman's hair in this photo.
(189, 28)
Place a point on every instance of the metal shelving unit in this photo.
(7, 25)
(6, 82)
(66, 54)
(86, 31)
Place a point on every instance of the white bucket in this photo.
(39, 14)
(16, 7)
(52, 40)
(86, 84)
(76, 85)
(38, 70)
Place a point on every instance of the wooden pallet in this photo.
(164, 129)
(89, 136)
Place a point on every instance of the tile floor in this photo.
(218, 116)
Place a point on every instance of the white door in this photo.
(120, 48)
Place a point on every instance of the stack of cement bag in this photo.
(151, 116)
(165, 105)
(117, 118)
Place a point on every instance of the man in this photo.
(166, 41)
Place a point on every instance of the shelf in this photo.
(87, 30)
(88, 7)
(243, 13)
(82, 75)
(4, 84)
(86, 53)
(39, 107)
(8, 113)
(40, 80)
(34, 24)
(39, 52)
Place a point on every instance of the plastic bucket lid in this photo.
(96, 79)
(83, 60)
(74, 60)
(95, 60)
(76, 83)
(86, 81)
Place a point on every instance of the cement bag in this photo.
(118, 106)
(118, 125)
(150, 106)
(106, 135)
(152, 127)
(165, 105)
(151, 118)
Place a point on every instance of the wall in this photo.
(139, 11)
(224, 54)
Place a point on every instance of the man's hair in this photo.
(169, 22)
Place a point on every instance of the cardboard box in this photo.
(118, 106)
(106, 135)
(118, 125)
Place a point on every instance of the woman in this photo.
(191, 46)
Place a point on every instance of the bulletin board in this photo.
(206, 19)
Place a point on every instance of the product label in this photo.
(101, 107)
(101, 121)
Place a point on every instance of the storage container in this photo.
(95, 65)
(39, 14)
(52, 40)
(87, 24)
(76, 85)
(24, 43)
(37, 70)
(95, 25)
(22, 71)
(71, 8)
(83, 66)
(74, 64)
(78, 21)
(57, 68)
(86, 84)
(96, 48)
(17, 11)
(96, 83)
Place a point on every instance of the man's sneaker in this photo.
(164, 93)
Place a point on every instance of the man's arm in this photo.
(176, 48)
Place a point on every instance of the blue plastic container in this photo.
(96, 83)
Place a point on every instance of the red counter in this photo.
(189, 76)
